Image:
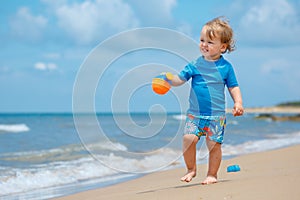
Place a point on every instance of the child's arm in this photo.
(176, 81)
(236, 95)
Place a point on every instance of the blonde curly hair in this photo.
(219, 27)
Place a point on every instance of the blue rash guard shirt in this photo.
(207, 95)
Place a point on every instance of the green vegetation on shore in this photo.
(280, 117)
(274, 117)
(290, 104)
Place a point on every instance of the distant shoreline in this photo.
(273, 109)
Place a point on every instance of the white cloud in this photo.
(186, 29)
(90, 20)
(269, 22)
(154, 12)
(40, 66)
(25, 25)
(282, 76)
(276, 66)
(286, 69)
(45, 66)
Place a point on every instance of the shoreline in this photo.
(273, 109)
(265, 175)
(267, 109)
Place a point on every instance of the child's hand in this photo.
(167, 76)
(238, 109)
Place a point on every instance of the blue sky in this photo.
(44, 43)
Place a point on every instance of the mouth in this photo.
(204, 50)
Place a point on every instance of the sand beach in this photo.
(265, 175)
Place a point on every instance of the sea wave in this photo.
(274, 141)
(14, 128)
(16, 180)
(63, 153)
(60, 173)
(179, 117)
(72, 164)
(183, 118)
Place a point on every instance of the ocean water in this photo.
(49, 155)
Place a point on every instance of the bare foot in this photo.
(188, 176)
(209, 180)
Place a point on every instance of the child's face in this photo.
(211, 49)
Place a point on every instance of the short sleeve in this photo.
(187, 72)
(231, 80)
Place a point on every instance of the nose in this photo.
(205, 44)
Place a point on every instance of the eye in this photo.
(201, 40)
(210, 42)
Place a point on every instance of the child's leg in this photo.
(189, 154)
(215, 157)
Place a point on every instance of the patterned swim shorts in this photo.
(212, 127)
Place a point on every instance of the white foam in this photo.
(52, 174)
(141, 163)
(59, 173)
(112, 146)
(14, 128)
(62, 172)
(183, 117)
(275, 141)
(59, 153)
(179, 117)
(232, 122)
